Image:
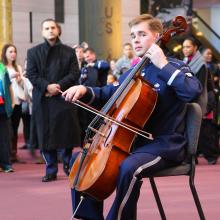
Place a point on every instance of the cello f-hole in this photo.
(107, 137)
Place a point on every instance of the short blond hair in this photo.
(154, 23)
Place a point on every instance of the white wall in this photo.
(41, 9)
(215, 18)
(211, 17)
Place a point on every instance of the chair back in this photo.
(192, 129)
(193, 124)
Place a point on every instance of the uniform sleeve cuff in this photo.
(89, 97)
(169, 73)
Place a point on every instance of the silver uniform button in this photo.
(143, 73)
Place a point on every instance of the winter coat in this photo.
(6, 95)
(55, 120)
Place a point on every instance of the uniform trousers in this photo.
(132, 170)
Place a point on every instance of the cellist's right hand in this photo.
(74, 93)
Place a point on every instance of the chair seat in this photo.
(182, 169)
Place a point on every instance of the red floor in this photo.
(24, 197)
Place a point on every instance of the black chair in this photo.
(193, 123)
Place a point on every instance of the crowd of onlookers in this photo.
(16, 95)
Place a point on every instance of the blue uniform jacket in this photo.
(175, 86)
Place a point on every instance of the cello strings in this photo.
(95, 111)
(97, 121)
(119, 91)
(126, 126)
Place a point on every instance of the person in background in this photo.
(52, 68)
(124, 62)
(9, 59)
(196, 62)
(111, 79)
(215, 75)
(26, 107)
(212, 67)
(80, 55)
(6, 109)
(175, 86)
(102, 66)
(208, 140)
(194, 59)
(112, 66)
(208, 144)
(92, 74)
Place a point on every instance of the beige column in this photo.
(5, 22)
(100, 26)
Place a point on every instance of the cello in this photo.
(96, 168)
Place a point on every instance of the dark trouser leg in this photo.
(26, 119)
(132, 170)
(50, 157)
(5, 141)
(66, 156)
(89, 209)
(33, 134)
(207, 140)
(15, 120)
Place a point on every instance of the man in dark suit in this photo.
(51, 68)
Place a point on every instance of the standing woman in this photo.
(196, 62)
(6, 97)
(194, 59)
(8, 57)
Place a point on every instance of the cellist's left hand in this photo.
(157, 56)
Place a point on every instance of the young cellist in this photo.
(175, 86)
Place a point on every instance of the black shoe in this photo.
(49, 177)
(24, 147)
(66, 169)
